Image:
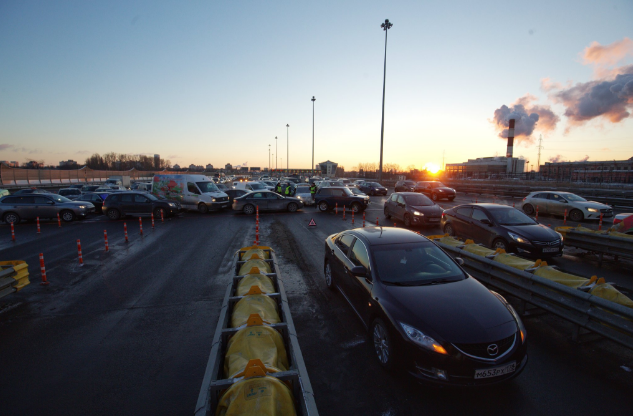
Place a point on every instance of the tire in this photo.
(323, 206)
(355, 207)
(203, 208)
(157, 212)
(329, 277)
(576, 215)
(249, 209)
(528, 209)
(434, 197)
(500, 243)
(407, 220)
(67, 216)
(448, 229)
(292, 207)
(113, 214)
(387, 213)
(11, 217)
(383, 345)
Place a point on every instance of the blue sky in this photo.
(215, 81)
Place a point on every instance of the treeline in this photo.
(122, 161)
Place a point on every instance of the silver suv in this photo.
(555, 203)
(14, 208)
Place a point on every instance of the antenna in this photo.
(540, 146)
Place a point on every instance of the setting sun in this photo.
(432, 167)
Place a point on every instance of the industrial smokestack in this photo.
(509, 151)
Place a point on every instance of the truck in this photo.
(119, 180)
(194, 192)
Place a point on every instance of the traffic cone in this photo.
(43, 270)
(81, 257)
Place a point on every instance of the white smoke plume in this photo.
(528, 117)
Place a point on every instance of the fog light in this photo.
(441, 374)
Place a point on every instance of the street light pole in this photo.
(269, 159)
(287, 148)
(385, 26)
(276, 153)
(312, 166)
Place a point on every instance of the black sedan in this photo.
(266, 201)
(500, 226)
(373, 188)
(138, 204)
(423, 311)
(413, 209)
(95, 198)
(234, 193)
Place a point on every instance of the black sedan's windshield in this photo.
(510, 216)
(418, 200)
(415, 264)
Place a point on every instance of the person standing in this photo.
(313, 191)
(278, 188)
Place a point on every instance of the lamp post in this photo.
(269, 159)
(287, 148)
(312, 166)
(385, 26)
(276, 153)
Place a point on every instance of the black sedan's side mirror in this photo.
(359, 271)
(459, 261)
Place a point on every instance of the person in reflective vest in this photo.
(313, 190)
(278, 189)
(288, 190)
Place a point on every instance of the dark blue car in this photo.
(340, 196)
(373, 188)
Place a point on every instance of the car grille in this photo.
(546, 243)
(222, 199)
(606, 210)
(481, 350)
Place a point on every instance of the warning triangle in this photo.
(312, 223)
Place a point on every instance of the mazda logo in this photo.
(493, 349)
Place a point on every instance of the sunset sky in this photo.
(215, 81)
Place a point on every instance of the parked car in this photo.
(76, 186)
(435, 190)
(423, 312)
(405, 186)
(120, 204)
(95, 198)
(556, 203)
(303, 193)
(89, 188)
(327, 184)
(234, 193)
(372, 188)
(266, 201)
(330, 197)
(27, 191)
(356, 191)
(70, 193)
(194, 192)
(223, 187)
(14, 208)
(413, 209)
(250, 186)
(500, 226)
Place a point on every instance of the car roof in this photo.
(378, 236)
(485, 205)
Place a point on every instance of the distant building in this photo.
(209, 166)
(68, 164)
(156, 161)
(244, 169)
(11, 164)
(327, 168)
(176, 166)
(228, 167)
(484, 167)
(255, 169)
(618, 171)
(32, 164)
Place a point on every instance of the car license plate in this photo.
(434, 220)
(550, 250)
(496, 371)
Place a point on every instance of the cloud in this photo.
(609, 55)
(609, 99)
(5, 146)
(556, 159)
(584, 159)
(605, 148)
(174, 157)
(82, 152)
(527, 116)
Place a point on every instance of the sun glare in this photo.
(432, 167)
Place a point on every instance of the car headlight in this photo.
(425, 341)
(418, 213)
(299, 196)
(82, 206)
(171, 204)
(518, 238)
(514, 313)
(440, 190)
(592, 209)
(213, 199)
(560, 235)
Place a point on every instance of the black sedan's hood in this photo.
(434, 210)
(458, 312)
(537, 232)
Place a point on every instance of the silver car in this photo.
(303, 193)
(556, 203)
(14, 208)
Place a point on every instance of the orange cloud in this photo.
(596, 54)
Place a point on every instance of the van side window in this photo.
(191, 187)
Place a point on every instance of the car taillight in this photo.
(524, 199)
(443, 214)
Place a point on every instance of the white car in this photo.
(303, 193)
(575, 207)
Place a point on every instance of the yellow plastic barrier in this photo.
(257, 395)
(608, 292)
(21, 272)
(617, 234)
(249, 264)
(264, 283)
(566, 279)
(255, 250)
(513, 261)
(255, 341)
(262, 305)
(478, 250)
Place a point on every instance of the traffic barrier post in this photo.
(38, 225)
(81, 257)
(43, 270)
(600, 223)
(152, 220)
(394, 224)
(513, 205)
(140, 223)
(162, 216)
(59, 221)
(565, 217)
(377, 221)
(336, 209)
(12, 232)
(352, 217)
(125, 231)
(105, 236)
(363, 219)
(536, 213)
(343, 212)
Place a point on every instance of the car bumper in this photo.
(596, 215)
(425, 220)
(217, 206)
(446, 195)
(536, 251)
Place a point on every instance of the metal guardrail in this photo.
(213, 384)
(599, 243)
(583, 310)
(14, 275)
(7, 282)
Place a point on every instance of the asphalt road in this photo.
(129, 333)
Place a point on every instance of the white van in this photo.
(250, 186)
(195, 192)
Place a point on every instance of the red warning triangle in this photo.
(312, 223)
